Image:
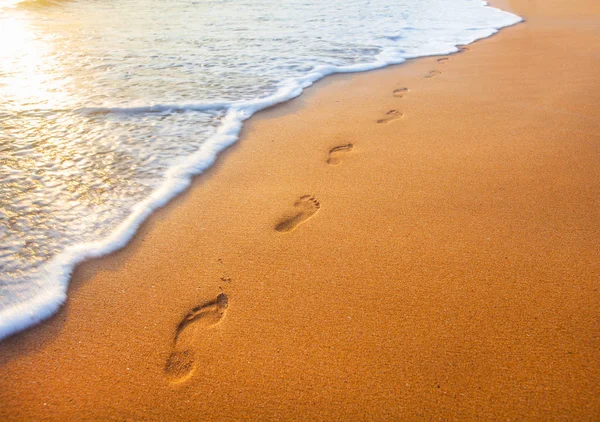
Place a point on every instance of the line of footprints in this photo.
(307, 206)
(181, 363)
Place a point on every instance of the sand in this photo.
(416, 243)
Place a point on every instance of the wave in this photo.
(156, 108)
(39, 4)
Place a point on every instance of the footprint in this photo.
(335, 152)
(433, 74)
(390, 116)
(442, 60)
(182, 360)
(399, 93)
(306, 206)
(461, 49)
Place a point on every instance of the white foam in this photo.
(53, 278)
(156, 108)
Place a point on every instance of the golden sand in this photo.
(416, 243)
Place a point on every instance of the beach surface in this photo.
(415, 243)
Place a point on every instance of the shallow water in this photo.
(109, 107)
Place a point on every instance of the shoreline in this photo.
(425, 280)
(57, 271)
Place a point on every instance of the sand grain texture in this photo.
(451, 272)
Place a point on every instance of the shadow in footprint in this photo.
(390, 116)
(182, 360)
(462, 49)
(399, 93)
(433, 74)
(442, 60)
(306, 207)
(335, 153)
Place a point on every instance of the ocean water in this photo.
(108, 108)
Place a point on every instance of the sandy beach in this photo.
(420, 242)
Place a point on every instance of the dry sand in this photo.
(444, 265)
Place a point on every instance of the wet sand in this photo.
(416, 243)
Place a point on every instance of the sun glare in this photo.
(9, 3)
(16, 39)
(27, 65)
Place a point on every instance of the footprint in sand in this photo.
(306, 207)
(442, 60)
(433, 74)
(390, 116)
(461, 49)
(182, 361)
(399, 93)
(335, 153)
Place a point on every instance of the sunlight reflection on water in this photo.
(28, 67)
